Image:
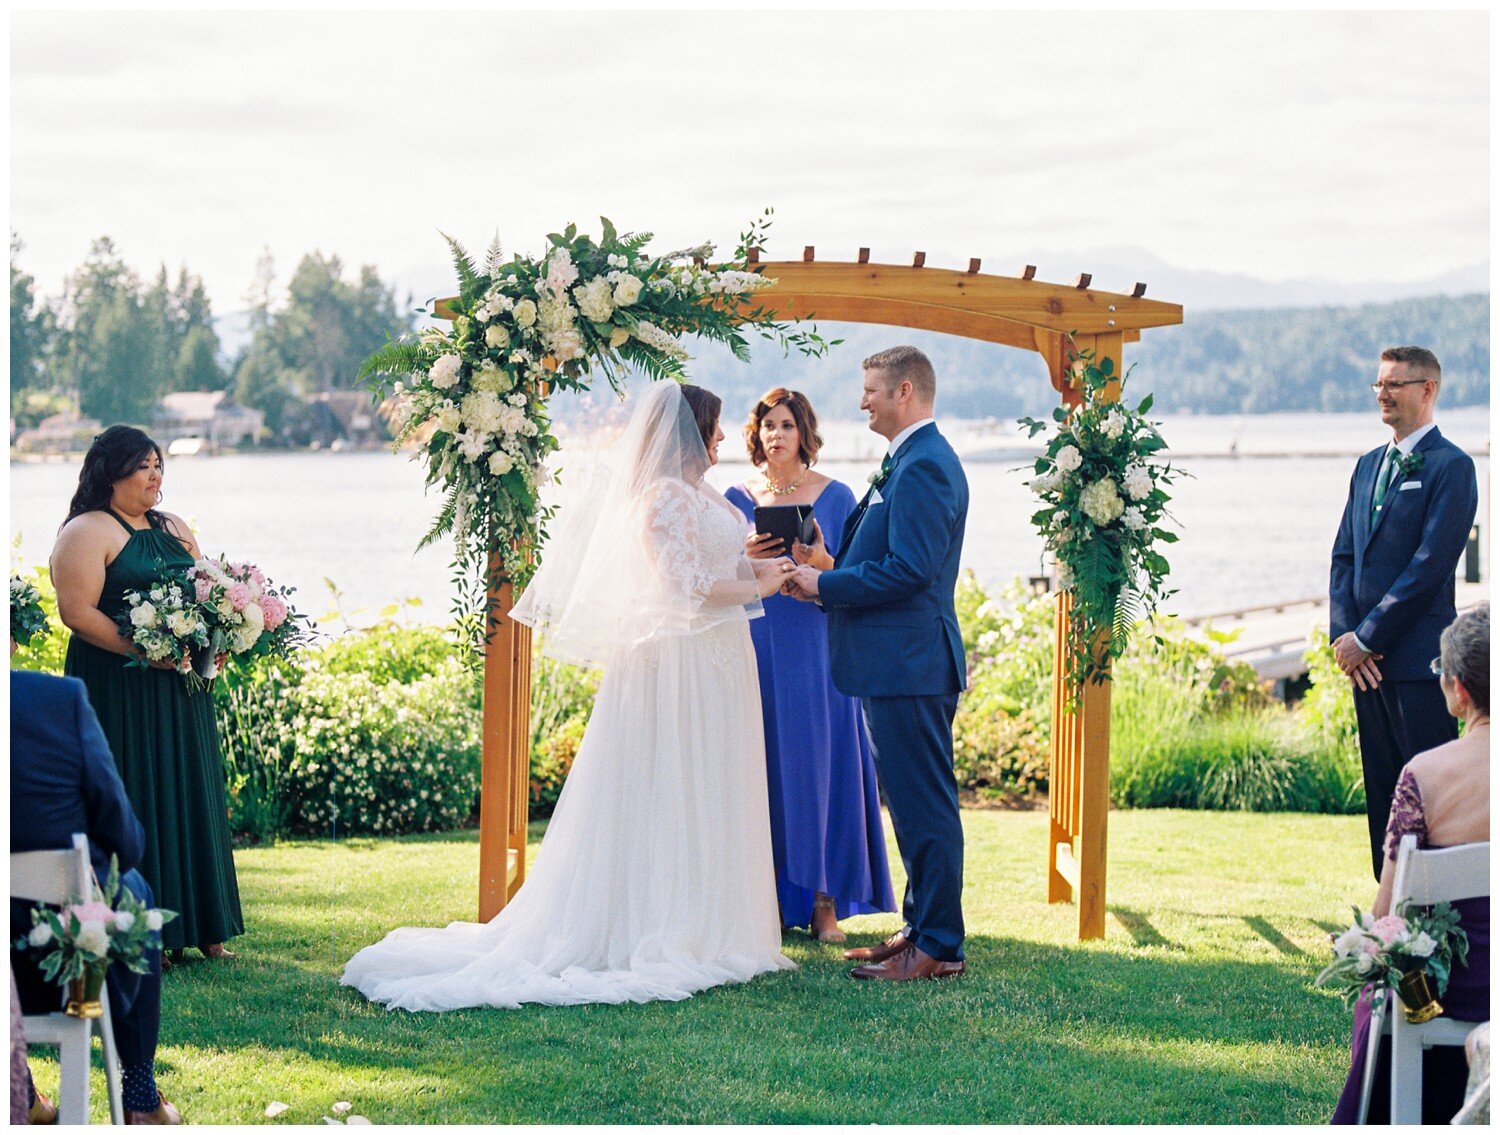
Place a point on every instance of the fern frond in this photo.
(445, 517)
(394, 358)
(492, 258)
(463, 264)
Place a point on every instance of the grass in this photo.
(1196, 1008)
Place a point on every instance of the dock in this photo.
(1275, 637)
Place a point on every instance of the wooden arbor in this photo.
(1054, 320)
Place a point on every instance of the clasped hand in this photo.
(1358, 664)
(799, 579)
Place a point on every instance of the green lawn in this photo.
(1196, 1008)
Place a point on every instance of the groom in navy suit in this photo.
(894, 643)
(1411, 504)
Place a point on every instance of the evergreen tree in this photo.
(31, 328)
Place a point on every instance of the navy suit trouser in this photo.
(912, 739)
(1397, 720)
(134, 998)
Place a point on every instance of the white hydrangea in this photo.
(595, 299)
(526, 313)
(1101, 501)
(517, 399)
(1134, 519)
(562, 273)
(1137, 482)
(448, 418)
(627, 291)
(492, 378)
(444, 372)
(482, 412)
(1068, 458)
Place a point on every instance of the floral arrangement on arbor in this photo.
(473, 396)
(1406, 951)
(1104, 500)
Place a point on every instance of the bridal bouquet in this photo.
(1411, 951)
(166, 622)
(247, 616)
(27, 619)
(1104, 501)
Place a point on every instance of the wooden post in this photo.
(1077, 851)
(505, 768)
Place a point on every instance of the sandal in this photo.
(825, 903)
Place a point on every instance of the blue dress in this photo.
(826, 832)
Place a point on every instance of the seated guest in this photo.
(63, 780)
(1443, 798)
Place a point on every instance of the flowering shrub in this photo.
(1105, 499)
(1384, 950)
(473, 397)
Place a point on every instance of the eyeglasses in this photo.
(1378, 387)
(1436, 666)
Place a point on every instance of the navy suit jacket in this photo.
(1391, 582)
(892, 629)
(63, 777)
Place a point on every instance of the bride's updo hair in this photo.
(706, 407)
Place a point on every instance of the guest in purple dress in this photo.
(1443, 798)
(826, 832)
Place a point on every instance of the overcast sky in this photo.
(1343, 146)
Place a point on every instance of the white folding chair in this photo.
(56, 877)
(1444, 874)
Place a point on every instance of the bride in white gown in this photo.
(655, 878)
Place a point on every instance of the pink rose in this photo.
(205, 588)
(1389, 928)
(91, 912)
(273, 607)
(257, 575)
(239, 595)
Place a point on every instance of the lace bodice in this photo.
(697, 543)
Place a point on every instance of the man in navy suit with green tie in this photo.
(1391, 592)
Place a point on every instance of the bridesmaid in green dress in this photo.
(164, 738)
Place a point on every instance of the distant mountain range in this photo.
(1246, 345)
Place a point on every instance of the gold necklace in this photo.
(780, 491)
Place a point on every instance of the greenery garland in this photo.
(472, 397)
(1105, 499)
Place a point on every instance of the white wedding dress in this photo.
(655, 879)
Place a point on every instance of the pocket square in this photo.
(1410, 485)
(876, 498)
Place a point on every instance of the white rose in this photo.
(180, 624)
(497, 337)
(225, 608)
(255, 619)
(444, 372)
(124, 920)
(1364, 964)
(526, 313)
(143, 616)
(1422, 945)
(512, 420)
(153, 920)
(594, 300)
(501, 464)
(1068, 458)
(1347, 942)
(618, 336)
(1113, 424)
(157, 594)
(627, 291)
(40, 934)
(93, 938)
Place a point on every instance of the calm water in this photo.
(1253, 529)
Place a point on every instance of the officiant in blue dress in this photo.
(826, 832)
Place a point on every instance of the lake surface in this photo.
(1254, 529)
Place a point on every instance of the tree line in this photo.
(113, 343)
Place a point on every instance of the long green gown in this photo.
(166, 745)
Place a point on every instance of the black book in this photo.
(787, 522)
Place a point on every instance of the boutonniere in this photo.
(1409, 463)
(883, 474)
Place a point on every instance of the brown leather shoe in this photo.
(887, 949)
(911, 964)
(164, 1115)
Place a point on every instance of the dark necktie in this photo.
(1383, 482)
